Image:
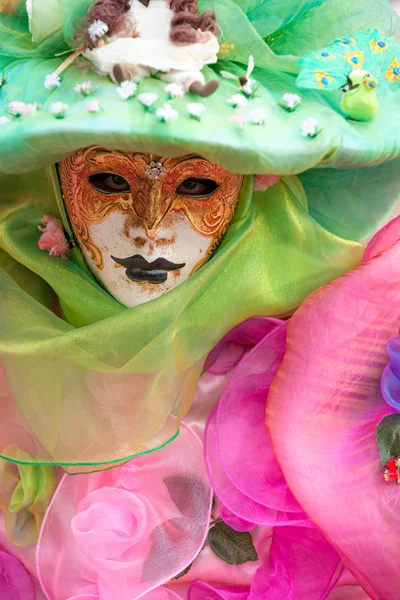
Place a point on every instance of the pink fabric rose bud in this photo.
(110, 522)
(263, 182)
(53, 238)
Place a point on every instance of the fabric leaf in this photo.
(184, 572)
(185, 493)
(388, 437)
(233, 547)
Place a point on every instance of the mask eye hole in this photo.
(197, 188)
(109, 183)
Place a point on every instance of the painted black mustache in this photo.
(139, 269)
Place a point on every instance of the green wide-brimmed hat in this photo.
(100, 381)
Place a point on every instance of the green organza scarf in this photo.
(88, 382)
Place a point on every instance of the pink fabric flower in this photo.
(323, 411)
(238, 119)
(123, 529)
(263, 182)
(120, 533)
(53, 238)
(16, 582)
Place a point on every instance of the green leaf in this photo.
(233, 547)
(388, 438)
(184, 572)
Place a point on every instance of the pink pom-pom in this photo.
(263, 182)
(53, 238)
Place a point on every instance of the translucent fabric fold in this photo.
(128, 530)
(238, 451)
(100, 380)
(323, 409)
(302, 565)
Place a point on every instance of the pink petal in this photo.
(323, 410)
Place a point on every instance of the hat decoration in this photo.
(362, 66)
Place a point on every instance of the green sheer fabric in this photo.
(99, 383)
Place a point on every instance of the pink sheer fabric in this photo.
(254, 490)
(16, 582)
(325, 404)
(121, 533)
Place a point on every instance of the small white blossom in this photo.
(97, 30)
(148, 99)
(196, 110)
(52, 81)
(127, 89)
(167, 113)
(84, 88)
(17, 108)
(238, 101)
(250, 87)
(258, 116)
(310, 127)
(58, 109)
(30, 109)
(4, 121)
(290, 101)
(175, 90)
(93, 107)
(239, 119)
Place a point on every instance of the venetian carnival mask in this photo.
(145, 223)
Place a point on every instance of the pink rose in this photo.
(263, 182)
(53, 238)
(109, 522)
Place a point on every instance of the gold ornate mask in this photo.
(146, 223)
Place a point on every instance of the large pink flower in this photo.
(118, 534)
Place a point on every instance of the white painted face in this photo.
(144, 223)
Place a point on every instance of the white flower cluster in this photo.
(126, 90)
(4, 121)
(84, 88)
(238, 101)
(258, 116)
(58, 109)
(175, 90)
(196, 110)
(97, 30)
(148, 99)
(52, 81)
(290, 101)
(21, 110)
(310, 128)
(93, 107)
(167, 113)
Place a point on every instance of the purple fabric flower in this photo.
(390, 382)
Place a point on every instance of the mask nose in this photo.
(157, 209)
